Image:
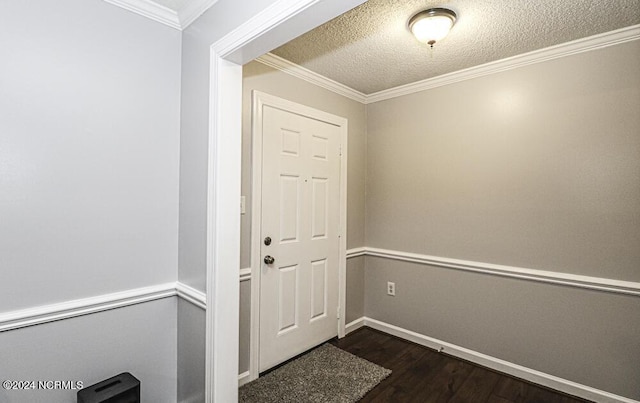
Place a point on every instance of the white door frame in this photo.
(258, 101)
(279, 23)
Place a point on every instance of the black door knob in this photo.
(269, 259)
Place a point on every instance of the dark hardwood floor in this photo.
(424, 375)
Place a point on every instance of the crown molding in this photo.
(151, 10)
(175, 19)
(537, 56)
(305, 74)
(192, 10)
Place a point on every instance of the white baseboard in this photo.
(528, 374)
(244, 378)
(354, 325)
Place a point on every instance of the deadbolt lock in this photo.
(267, 241)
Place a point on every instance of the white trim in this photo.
(528, 374)
(175, 19)
(263, 22)
(190, 294)
(245, 274)
(150, 9)
(223, 229)
(259, 100)
(537, 56)
(192, 10)
(354, 325)
(38, 315)
(244, 378)
(256, 234)
(572, 280)
(342, 232)
(305, 74)
(355, 252)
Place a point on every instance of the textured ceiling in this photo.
(370, 48)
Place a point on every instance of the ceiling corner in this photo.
(151, 10)
(177, 19)
(192, 10)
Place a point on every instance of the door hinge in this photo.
(338, 313)
(341, 150)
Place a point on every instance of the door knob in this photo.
(269, 259)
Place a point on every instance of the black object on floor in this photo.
(123, 388)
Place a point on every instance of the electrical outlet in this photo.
(391, 288)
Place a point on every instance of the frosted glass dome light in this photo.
(430, 26)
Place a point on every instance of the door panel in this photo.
(301, 213)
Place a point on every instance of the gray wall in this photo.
(140, 339)
(257, 76)
(537, 167)
(221, 18)
(89, 150)
(245, 326)
(191, 357)
(89, 189)
(355, 289)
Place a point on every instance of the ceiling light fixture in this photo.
(429, 26)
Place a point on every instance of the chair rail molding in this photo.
(190, 294)
(38, 315)
(543, 276)
(245, 274)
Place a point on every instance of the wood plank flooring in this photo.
(423, 375)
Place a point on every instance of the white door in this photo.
(301, 214)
